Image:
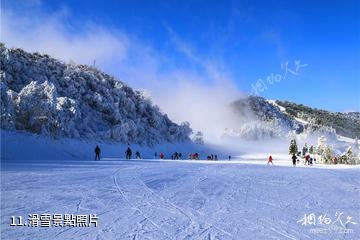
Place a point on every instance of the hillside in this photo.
(345, 124)
(42, 95)
(263, 118)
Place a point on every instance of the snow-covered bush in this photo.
(327, 155)
(349, 157)
(69, 115)
(42, 95)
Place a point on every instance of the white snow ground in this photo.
(153, 199)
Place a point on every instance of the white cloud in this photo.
(49, 34)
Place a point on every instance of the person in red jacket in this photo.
(307, 160)
(270, 161)
(161, 156)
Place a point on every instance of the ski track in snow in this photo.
(173, 200)
(137, 207)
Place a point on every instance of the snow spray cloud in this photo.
(201, 94)
(206, 107)
(200, 97)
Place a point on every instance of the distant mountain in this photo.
(345, 124)
(262, 118)
(42, 95)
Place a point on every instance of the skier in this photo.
(137, 155)
(307, 159)
(216, 158)
(155, 155)
(97, 152)
(180, 156)
(294, 159)
(162, 156)
(229, 157)
(270, 161)
(128, 153)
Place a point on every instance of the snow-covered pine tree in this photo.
(327, 155)
(293, 149)
(320, 149)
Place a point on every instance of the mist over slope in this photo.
(42, 95)
(262, 118)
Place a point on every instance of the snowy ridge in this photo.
(273, 102)
(344, 124)
(265, 119)
(282, 109)
(42, 95)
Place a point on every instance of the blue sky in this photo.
(241, 41)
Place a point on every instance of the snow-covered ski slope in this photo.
(153, 199)
(147, 199)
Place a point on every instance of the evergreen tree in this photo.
(321, 148)
(327, 155)
(293, 147)
(311, 150)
